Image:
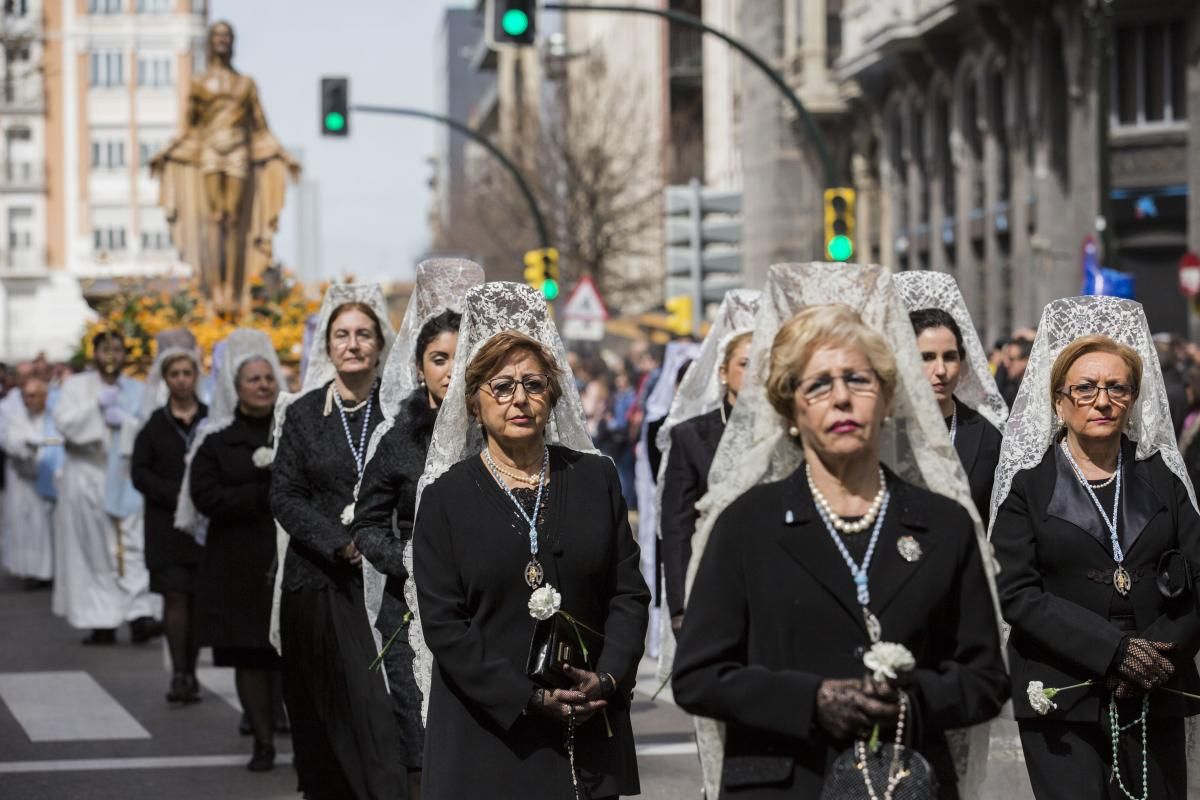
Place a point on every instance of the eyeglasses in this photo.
(505, 388)
(1087, 393)
(819, 387)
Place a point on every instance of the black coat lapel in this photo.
(968, 437)
(806, 539)
(1071, 503)
(1140, 503)
(889, 570)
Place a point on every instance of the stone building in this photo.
(971, 131)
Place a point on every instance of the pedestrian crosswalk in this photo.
(66, 706)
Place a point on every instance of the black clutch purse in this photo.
(893, 770)
(557, 642)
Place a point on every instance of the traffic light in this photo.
(541, 272)
(839, 223)
(335, 107)
(679, 311)
(512, 23)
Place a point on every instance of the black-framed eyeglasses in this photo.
(1087, 393)
(819, 387)
(504, 388)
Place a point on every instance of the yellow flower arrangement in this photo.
(279, 306)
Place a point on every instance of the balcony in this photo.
(22, 262)
(872, 27)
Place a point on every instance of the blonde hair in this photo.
(816, 327)
(1094, 343)
(734, 343)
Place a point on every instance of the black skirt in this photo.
(344, 733)
(247, 658)
(176, 578)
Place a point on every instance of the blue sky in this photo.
(373, 185)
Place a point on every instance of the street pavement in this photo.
(86, 722)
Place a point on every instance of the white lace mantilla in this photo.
(488, 310)
(441, 284)
(756, 448)
(699, 392)
(234, 350)
(320, 371)
(921, 289)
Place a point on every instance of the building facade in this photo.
(972, 133)
(100, 87)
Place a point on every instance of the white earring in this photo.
(793, 431)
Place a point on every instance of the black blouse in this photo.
(313, 482)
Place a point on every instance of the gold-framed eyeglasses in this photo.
(1087, 393)
(814, 389)
(504, 388)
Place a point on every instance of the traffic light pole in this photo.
(482, 141)
(695, 23)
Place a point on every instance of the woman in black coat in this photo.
(493, 731)
(343, 731)
(230, 484)
(383, 521)
(172, 555)
(1086, 604)
(977, 442)
(775, 632)
(693, 444)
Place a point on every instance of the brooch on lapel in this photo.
(909, 548)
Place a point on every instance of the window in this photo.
(108, 153)
(104, 6)
(107, 68)
(154, 6)
(109, 238)
(1149, 74)
(16, 8)
(154, 71)
(156, 240)
(20, 228)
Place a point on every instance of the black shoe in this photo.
(143, 629)
(263, 759)
(191, 689)
(244, 725)
(178, 690)
(101, 636)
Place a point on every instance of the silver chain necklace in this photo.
(954, 424)
(1122, 582)
(534, 574)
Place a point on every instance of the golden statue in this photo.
(222, 180)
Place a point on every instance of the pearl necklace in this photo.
(532, 480)
(839, 524)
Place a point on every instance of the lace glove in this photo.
(556, 704)
(845, 710)
(1143, 666)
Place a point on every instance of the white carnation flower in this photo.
(1039, 698)
(348, 515)
(263, 457)
(544, 602)
(888, 659)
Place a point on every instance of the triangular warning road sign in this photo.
(585, 303)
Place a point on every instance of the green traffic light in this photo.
(550, 289)
(840, 248)
(335, 121)
(515, 22)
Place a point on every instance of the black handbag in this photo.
(892, 763)
(559, 641)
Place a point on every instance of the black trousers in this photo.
(1073, 760)
(344, 734)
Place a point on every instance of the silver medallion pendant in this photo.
(1122, 581)
(534, 575)
(909, 549)
(874, 629)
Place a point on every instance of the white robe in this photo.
(27, 535)
(100, 568)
